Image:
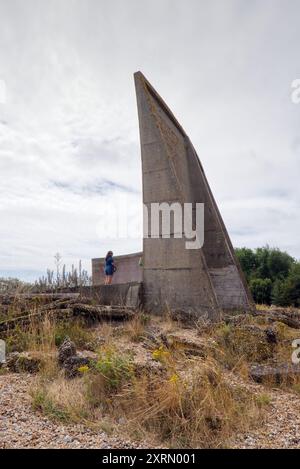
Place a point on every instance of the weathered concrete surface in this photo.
(128, 269)
(284, 373)
(204, 280)
(124, 294)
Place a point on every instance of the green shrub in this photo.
(17, 340)
(244, 343)
(261, 290)
(273, 275)
(115, 368)
(41, 402)
(77, 332)
(263, 400)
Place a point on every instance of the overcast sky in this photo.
(69, 139)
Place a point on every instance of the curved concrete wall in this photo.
(128, 269)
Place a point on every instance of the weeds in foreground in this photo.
(82, 337)
(186, 403)
(61, 399)
(136, 327)
(239, 345)
(45, 335)
(196, 409)
(36, 336)
(263, 400)
(190, 408)
(115, 368)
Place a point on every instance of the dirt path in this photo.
(21, 427)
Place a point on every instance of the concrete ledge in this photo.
(124, 294)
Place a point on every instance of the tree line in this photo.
(273, 275)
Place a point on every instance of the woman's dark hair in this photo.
(109, 254)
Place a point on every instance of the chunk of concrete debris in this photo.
(191, 345)
(284, 373)
(73, 364)
(20, 362)
(71, 361)
(66, 350)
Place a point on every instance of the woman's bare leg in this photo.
(109, 279)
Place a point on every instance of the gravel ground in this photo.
(281, 427)
(21, 427)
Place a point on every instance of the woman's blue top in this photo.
(109, 266)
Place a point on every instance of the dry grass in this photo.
(61, 399)
(45, 335)
(194, 409)
(189, 405)
(36, 336)
(241, 345)
(106, 333)
(262, 307)
(82, 398)
(135, 328)
(167, 322)
(263, 400)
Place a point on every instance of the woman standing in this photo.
(109, 268)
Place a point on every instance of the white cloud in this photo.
(69, 138)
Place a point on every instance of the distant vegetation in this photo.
(273, 275)
(12, 285)
(61, 278)
(54, 280)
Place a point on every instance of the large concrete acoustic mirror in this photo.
(206, 280)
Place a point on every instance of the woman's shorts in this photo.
(109, 271)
